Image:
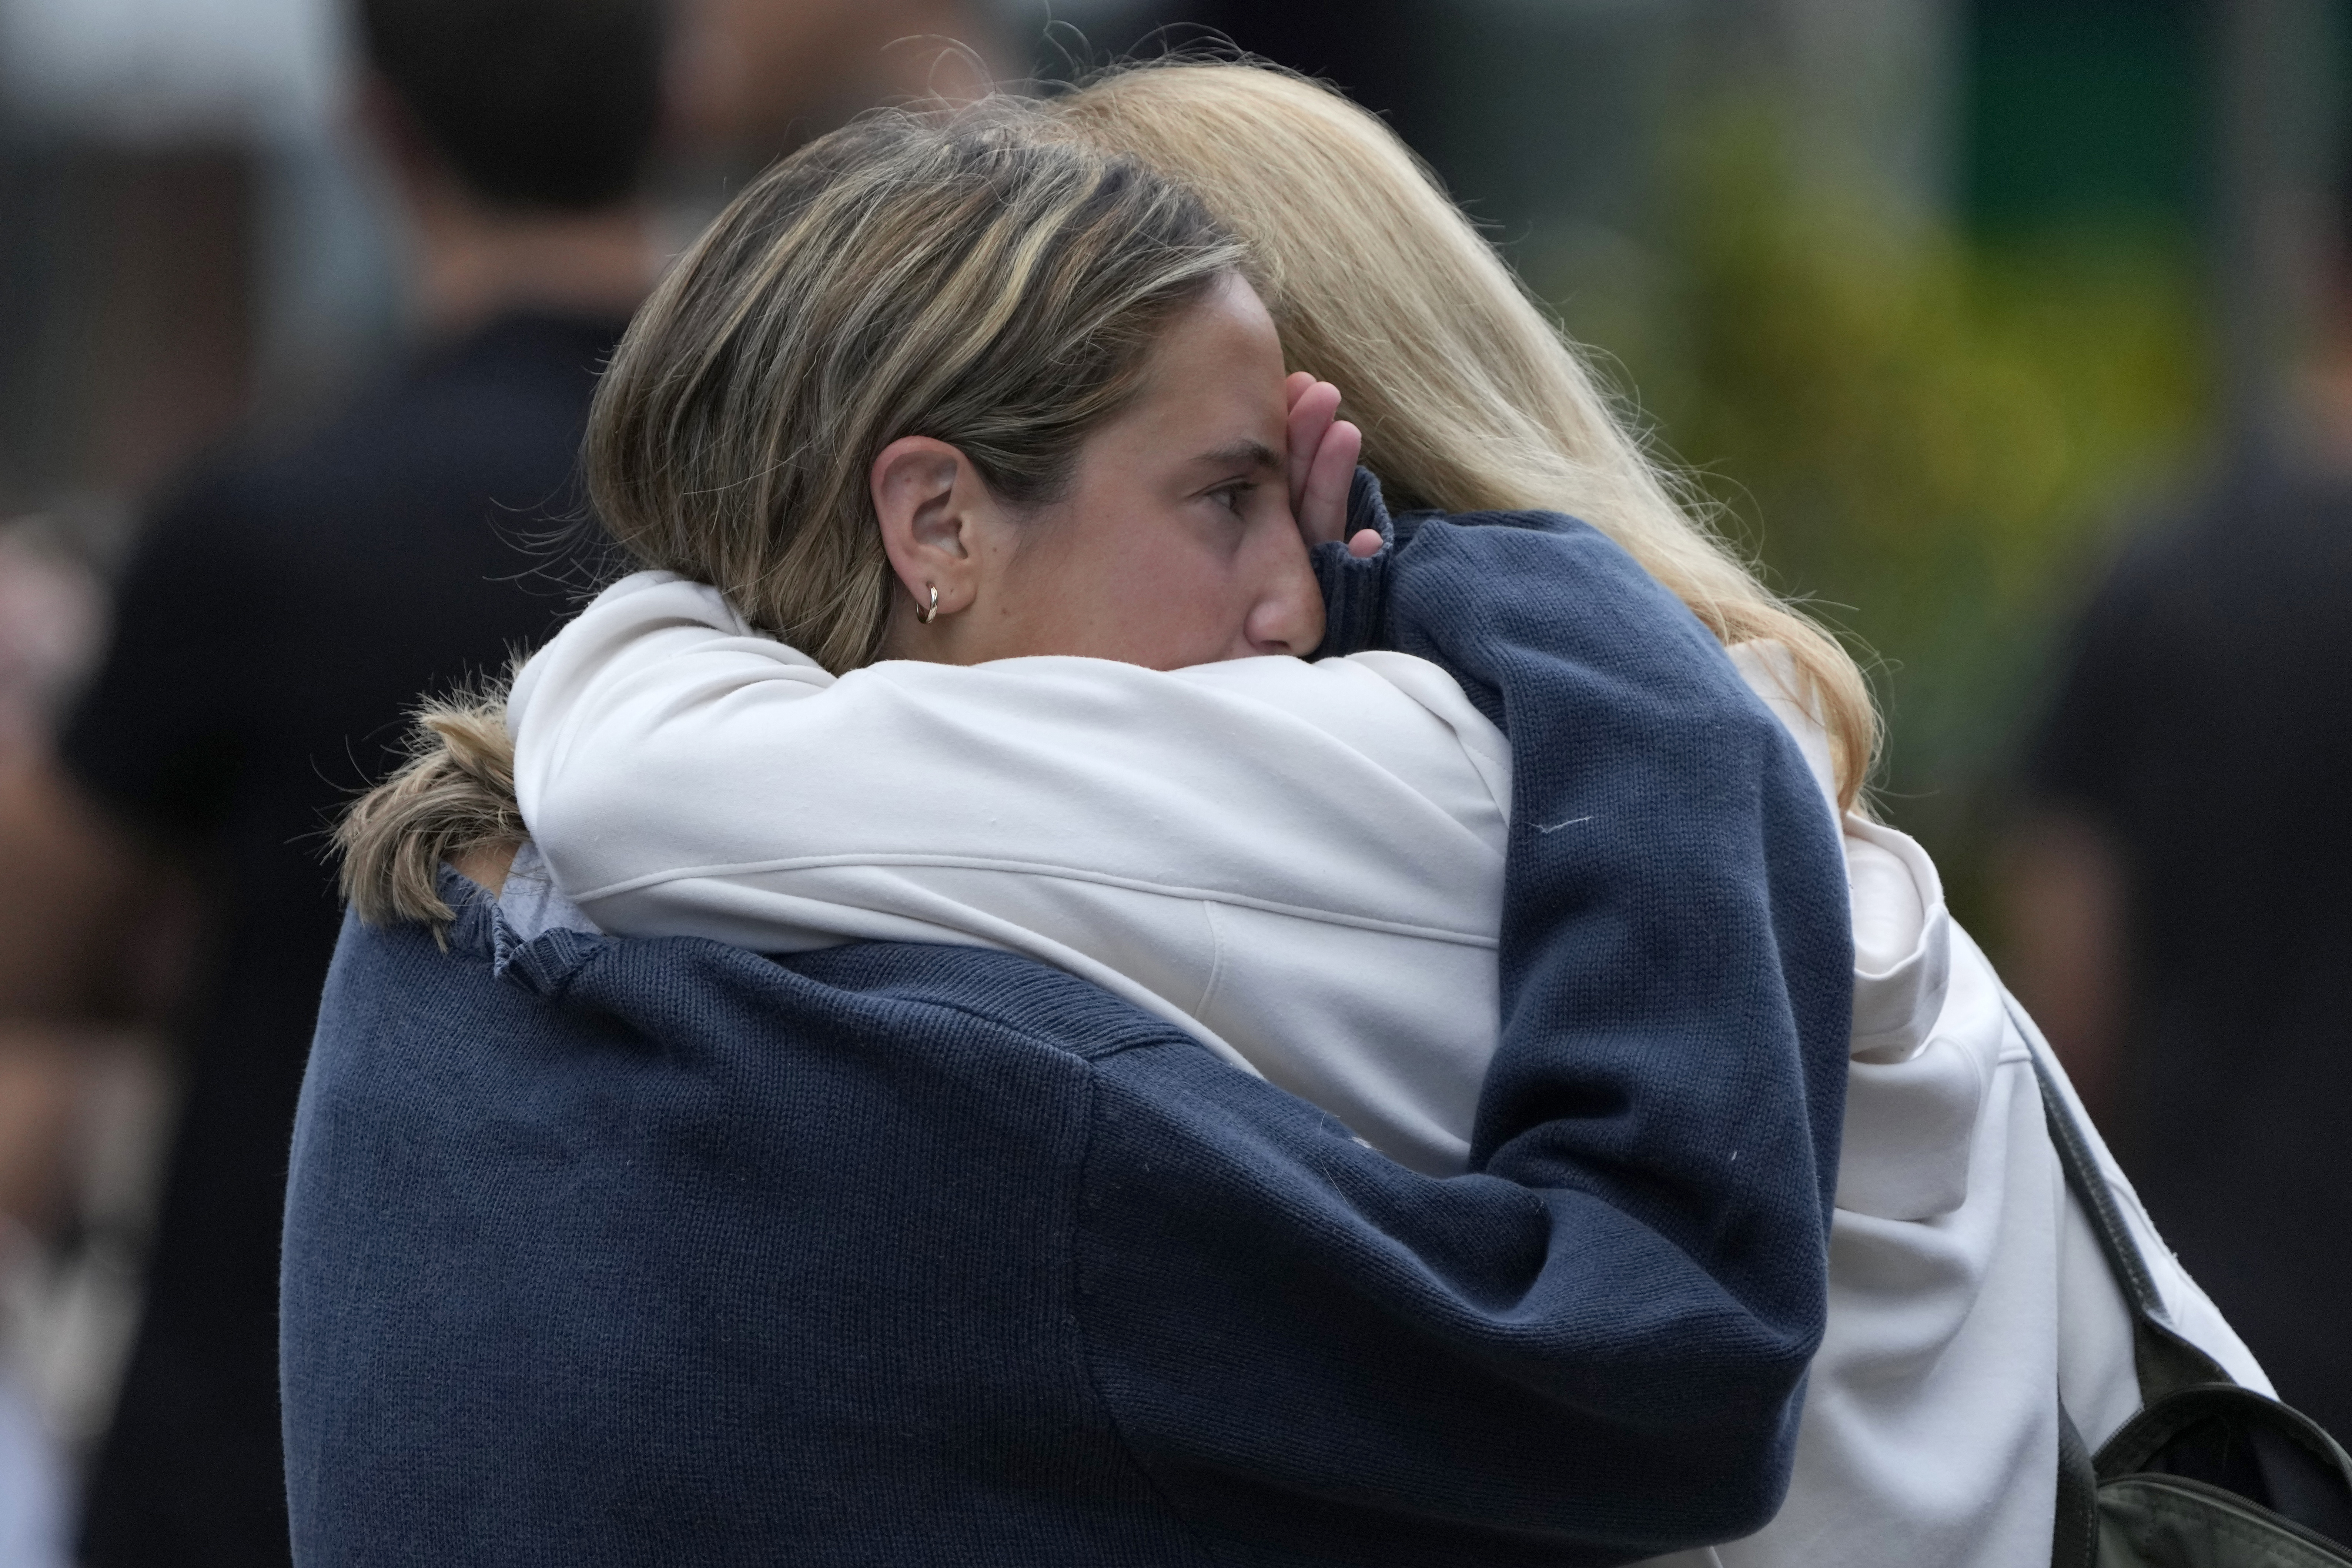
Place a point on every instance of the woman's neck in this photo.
(475, 262)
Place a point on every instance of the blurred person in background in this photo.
(50, 606)
(754, 79)
(2177, 888)
(281, 611)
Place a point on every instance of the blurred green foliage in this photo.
(1929, 439)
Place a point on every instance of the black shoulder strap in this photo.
(2164, 1360)
(2074, 1528)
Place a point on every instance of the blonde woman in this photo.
(910, 1249)
(1967, 1289)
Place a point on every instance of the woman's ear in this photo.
(935, 511)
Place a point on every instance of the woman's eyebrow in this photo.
(1239, 454)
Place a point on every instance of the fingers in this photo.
(1311, 412)
(1321, 461)
(1364, 541)
(1323, 502)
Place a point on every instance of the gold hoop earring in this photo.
(924, 616)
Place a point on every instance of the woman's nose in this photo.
(1287, 618)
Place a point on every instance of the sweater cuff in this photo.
(1356, 588)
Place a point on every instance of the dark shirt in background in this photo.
(2206, 723)
(276, 622)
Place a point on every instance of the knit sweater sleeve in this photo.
(1606, 1326)
(1674, 890)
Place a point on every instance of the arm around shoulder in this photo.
(1609, 1323)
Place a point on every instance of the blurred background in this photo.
(1929, 295)
(1938, 302)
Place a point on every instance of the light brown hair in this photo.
(970, 275)
(1468, 397)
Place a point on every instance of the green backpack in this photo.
(2208, 1475)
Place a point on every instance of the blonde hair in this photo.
(1469, 398)
(972, 275)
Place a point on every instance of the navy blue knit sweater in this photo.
(606, 1251)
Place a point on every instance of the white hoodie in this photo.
(1302, 864)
